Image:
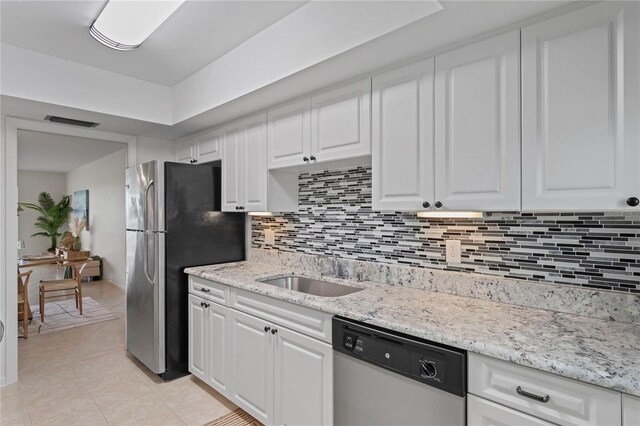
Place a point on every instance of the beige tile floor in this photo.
(84, 376)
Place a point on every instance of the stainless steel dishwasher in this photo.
(386, 378)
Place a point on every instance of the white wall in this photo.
(31, 75)
(105, 180)
(155, 149)
(30, 184)
(321, 30)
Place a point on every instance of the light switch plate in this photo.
(269, 236)
(454, 251)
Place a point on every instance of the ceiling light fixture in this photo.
(124, 25)
(451, 214)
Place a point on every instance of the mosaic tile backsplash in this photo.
(335, 218)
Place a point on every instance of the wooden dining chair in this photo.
(74, 283)
(24, 311)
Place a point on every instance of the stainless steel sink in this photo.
(311, 286)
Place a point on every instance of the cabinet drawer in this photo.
(304, 320)
(209, 290)
(481, 412)
(570, 402)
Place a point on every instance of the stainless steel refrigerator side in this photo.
(133, 202)
(145, 265)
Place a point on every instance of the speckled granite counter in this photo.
(591, 350)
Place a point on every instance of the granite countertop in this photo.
(595, 351)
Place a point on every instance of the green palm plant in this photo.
(52, 216)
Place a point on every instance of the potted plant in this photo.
(52, 216)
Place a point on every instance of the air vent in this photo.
(70, 121)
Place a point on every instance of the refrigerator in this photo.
(173, 222)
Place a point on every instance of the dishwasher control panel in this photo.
(427, 362)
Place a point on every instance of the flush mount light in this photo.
(260, 214)
(453, 214)
(124, 25)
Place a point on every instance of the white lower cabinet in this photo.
(251, 352)
(630, 410)
(481, 412)
(542, 395)
(303, 380)
(208, 338)
(278, 375)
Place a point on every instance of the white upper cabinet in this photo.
(208, 146)
(402, 131)
(232, 168)
(289, 134)
(580, 85)
(333, 125)
(254, 164)
(247, 184)
(185, 151)
(202, 148)
(477, 126)
(340, 121)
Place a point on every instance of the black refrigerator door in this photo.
(197, 234)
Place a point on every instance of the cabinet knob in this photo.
(266, 328)
(305, 159)
(633, 201)
(438, 204)
(206, 305)
(312, 158)
(274, 331)
(195, 161)
(237, 207)
(241, 208)
(426, 204)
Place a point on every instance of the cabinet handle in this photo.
(237, 208)
(543, 399)
(426, 204)
(274, 331)
(633, 201)
(241, 208)
(438, 204)
(312, 158)
(305, 159)
(195, 161)
(266, 328)
(206, 305)
(205, 290)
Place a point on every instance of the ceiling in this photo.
(198, 33)
(46, 152)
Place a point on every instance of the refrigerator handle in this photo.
(150, 277)
(145, 227)
(145, 216)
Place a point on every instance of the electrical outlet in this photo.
(269, 236)
(454, 251)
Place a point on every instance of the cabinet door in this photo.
(630, 410)
(232, 169)
(254, 161)
(481, 412)
(289, 134)
(208, 146)
(580, 139)
(340, 121)
(303, 380)
(402, 152)
(197, 337)
(477, 126)
(184, 151)
(251, 365)
(218, 347)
